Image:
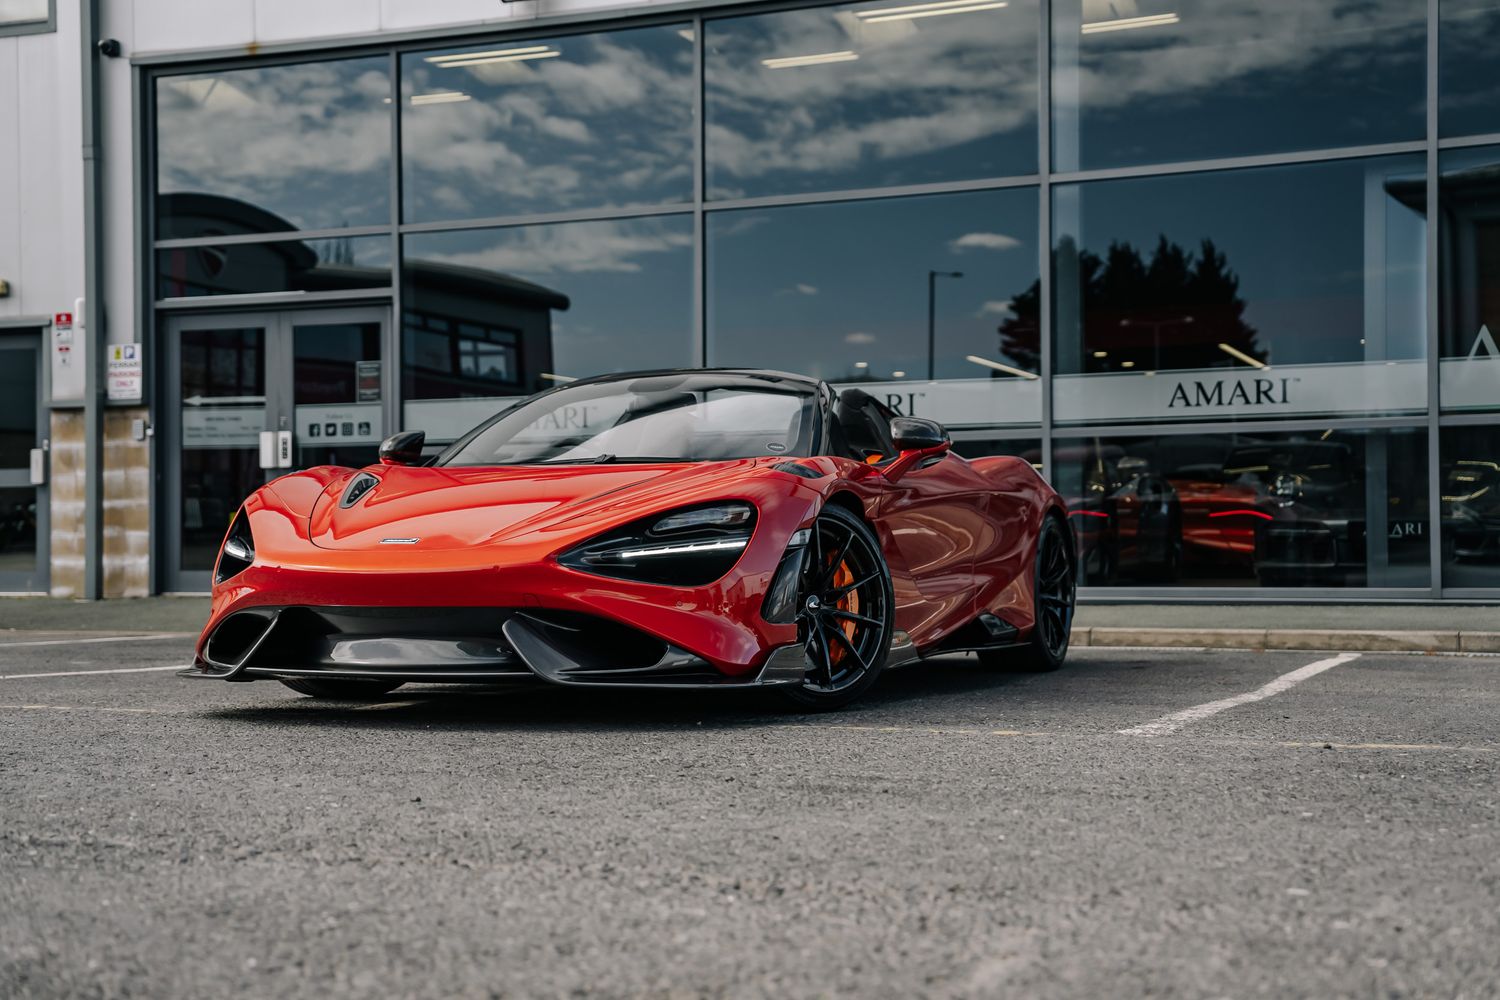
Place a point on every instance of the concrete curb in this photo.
(1413, 641)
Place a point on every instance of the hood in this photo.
(455, 508)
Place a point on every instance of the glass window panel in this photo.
(1273, 292)
(1468, 85)
(274, 148)
(1152, 81)
(18, 389)
(548, 125)
(1470, 492)
(869, 95)
(22, 11)
(1469, 263)
(18, 532)
(1334, 508)
(282, 266)
(890, 293)
(507, 312)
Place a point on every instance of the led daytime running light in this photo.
(682, 548)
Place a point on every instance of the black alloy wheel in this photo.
(845, 611)
(1056, 598)
(342, 688)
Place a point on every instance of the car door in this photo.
(932, 514)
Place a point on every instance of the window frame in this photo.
(35, 26)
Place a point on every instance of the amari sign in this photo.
(1383, 387)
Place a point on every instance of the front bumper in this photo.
(463, 645)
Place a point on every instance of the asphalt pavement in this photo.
(1166, 823)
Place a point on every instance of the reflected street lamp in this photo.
(932, 277)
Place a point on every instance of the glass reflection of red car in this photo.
(1293, 512)
(1126, 517)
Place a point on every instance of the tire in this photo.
(846, 612)
(1056, 591)
(342, 689)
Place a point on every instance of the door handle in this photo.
(268, 449)
(283, 449)
(38, 467)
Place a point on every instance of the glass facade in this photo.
(1230, 275)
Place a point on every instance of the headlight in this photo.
(687, 548)
(239, 548)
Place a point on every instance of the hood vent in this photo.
(357, 488)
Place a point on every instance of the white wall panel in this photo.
(289, 20)
(410, 14)
(119, 178)
(175, 25)
(10, 175)
(50, 168)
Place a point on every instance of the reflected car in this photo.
(1471, 511)
(1127, 517)
(724, 529)
(1304, 501)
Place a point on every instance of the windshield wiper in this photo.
(589, 460)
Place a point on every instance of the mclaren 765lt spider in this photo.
(671, 529)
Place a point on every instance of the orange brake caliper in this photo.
(850, 603)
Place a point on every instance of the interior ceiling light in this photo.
(516, 54)
(1128, 23)
(1235, 352)
(445, 97)
(911, 12)
(987, 363)
(787, 62)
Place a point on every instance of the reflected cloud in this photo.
(983, 241)
(1202, 57)
(309, 142)
(905, 110)
(605, 120)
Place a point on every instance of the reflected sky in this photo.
(1329, 263)
(1150, 81)
(629, 282)
(821, 289)
(310, 144)
(869, 95)
(1468, 75)
(548, 125)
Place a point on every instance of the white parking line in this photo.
(1169, 724)
(106, 638)
(84, 673)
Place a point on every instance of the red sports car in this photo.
(671, 529)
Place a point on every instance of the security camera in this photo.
(110, 47)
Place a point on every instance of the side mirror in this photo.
(918, 434)
(403, 449)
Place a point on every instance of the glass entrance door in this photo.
(257, 396)
(23, 506)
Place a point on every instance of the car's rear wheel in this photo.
(845, 611)
(1056, 592)
(343, 688)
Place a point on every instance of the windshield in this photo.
(686, 417)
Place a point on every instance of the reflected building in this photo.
(1174, 253)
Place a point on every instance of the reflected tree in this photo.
(1173, 309)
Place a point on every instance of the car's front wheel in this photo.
(342, 688)
(845, 611)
